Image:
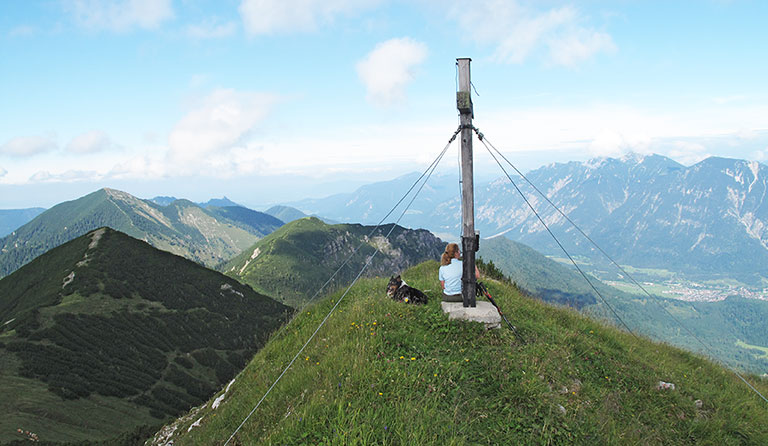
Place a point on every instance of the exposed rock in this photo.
(665, 386)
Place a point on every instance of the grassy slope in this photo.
(380, 372)
(542, 276)
(29, 405)
(720, 324)
(295, 260)
(285, 266)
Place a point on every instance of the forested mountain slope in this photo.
(106, 334)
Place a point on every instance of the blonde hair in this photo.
(450, 252)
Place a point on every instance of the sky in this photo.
(270, 101)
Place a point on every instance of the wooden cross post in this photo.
(469, 240)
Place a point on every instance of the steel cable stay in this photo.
(541, 220)
(656, 299)
(370, 234)
(428, 173)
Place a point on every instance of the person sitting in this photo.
(451, 269)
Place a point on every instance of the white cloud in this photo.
(142, 167)
(120, 15)
(517, 32)
(68, 176)
(286, 16)
(729, 99)
(352, 149)
(218, 123)
(2, 172)
(688, 152)
(211, 29)
(760, 155)
(578, 45)
(23, 31)
(25, 146)
(613, 143)
(389, 68)
(91, 142)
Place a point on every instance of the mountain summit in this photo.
(381, 372)
(207, 236)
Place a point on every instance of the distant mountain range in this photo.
(163, 200)
(207, 236)
(105, 334)
(293, 262)
(646, 211)
(370, 203)
(10, 219)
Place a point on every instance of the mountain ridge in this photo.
(207, 236)
(295, 260)
(106, 323)
(644, 210)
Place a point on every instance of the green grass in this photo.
(384, 373)
(763, 350)
(653, 272)
(657, 289)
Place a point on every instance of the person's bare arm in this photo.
(442, 284)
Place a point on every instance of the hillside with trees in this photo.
(105, 335)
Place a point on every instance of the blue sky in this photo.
(275, 100)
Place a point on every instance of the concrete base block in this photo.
(484, 312)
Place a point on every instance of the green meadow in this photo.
(384, 373)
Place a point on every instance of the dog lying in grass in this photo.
(398, 290)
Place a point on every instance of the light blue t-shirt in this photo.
(451, 274)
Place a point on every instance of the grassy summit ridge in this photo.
(381, 372)
(291, 263)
